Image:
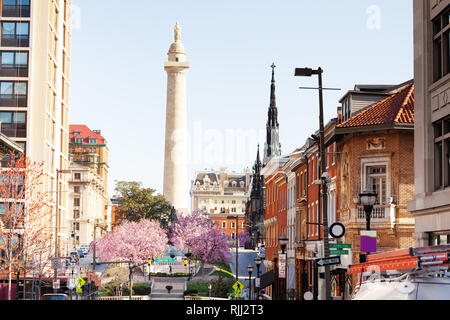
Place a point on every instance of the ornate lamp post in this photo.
(283, 244)
(250, 272)
(258, 284)
(368, 199)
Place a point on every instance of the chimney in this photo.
(339, 115)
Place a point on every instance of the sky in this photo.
(118, 82)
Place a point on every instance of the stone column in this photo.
(175, 163)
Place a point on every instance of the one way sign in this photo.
(328, 261)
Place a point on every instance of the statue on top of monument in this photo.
(177, 32)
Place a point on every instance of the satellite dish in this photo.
(308, 296)
(406, 287)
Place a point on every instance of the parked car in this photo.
(55, 296)
(85, 249)
(75, 256)
(80, 253)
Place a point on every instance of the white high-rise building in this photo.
(175, 163)
(35, 51)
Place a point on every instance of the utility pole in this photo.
(307, 72)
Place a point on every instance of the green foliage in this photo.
(173, 275)
(142, 289)
(221, 288)
(137, 203)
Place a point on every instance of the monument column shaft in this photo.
(175, 171)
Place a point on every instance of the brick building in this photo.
(377, 146)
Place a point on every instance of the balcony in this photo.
(380, 214)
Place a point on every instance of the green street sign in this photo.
(338, 252)
(164, 260)
(340, 245)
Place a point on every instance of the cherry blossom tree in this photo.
(212, 246)
(133, 241)
(244, 238)
(25, 214)
(198, 234)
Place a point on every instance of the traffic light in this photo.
(149, 262)
(185, 262)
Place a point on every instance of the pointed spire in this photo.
(258, 158)
(273, 112)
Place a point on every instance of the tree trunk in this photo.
(9, 280)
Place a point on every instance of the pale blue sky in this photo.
(119, 84)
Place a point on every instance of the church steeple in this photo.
(272, 147)
(273, 112)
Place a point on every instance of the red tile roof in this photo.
(395, 109)
(85, 133)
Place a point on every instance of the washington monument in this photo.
(175, 162)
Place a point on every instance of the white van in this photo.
(425, 286)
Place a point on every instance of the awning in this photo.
(267, 279)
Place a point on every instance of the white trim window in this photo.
(376, 177)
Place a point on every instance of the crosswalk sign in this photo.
(79, 282)
(238, 287)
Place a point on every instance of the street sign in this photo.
(337, 230)
(238, 286)
(164, 260)
(79, 282)
(340, 245)
(71, 284)
(282, 266)
(328, 261)
(56, 284)
(339, 252)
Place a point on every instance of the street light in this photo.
(250, 272)
(307, 72)
(258, 284)
(57, 253)
(283, 244)
(237, 244)
(368, 199)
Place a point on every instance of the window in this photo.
(76, 213)
(442, 154)
(76, 189)
(15, 34)
(441, 43)
(224, 225)
(76, 202)
(9, 90)
(92, 141)
(376, 180)
(13, 64)
(77, 176)
(16, 8)
(233, 225)
(14, 124)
